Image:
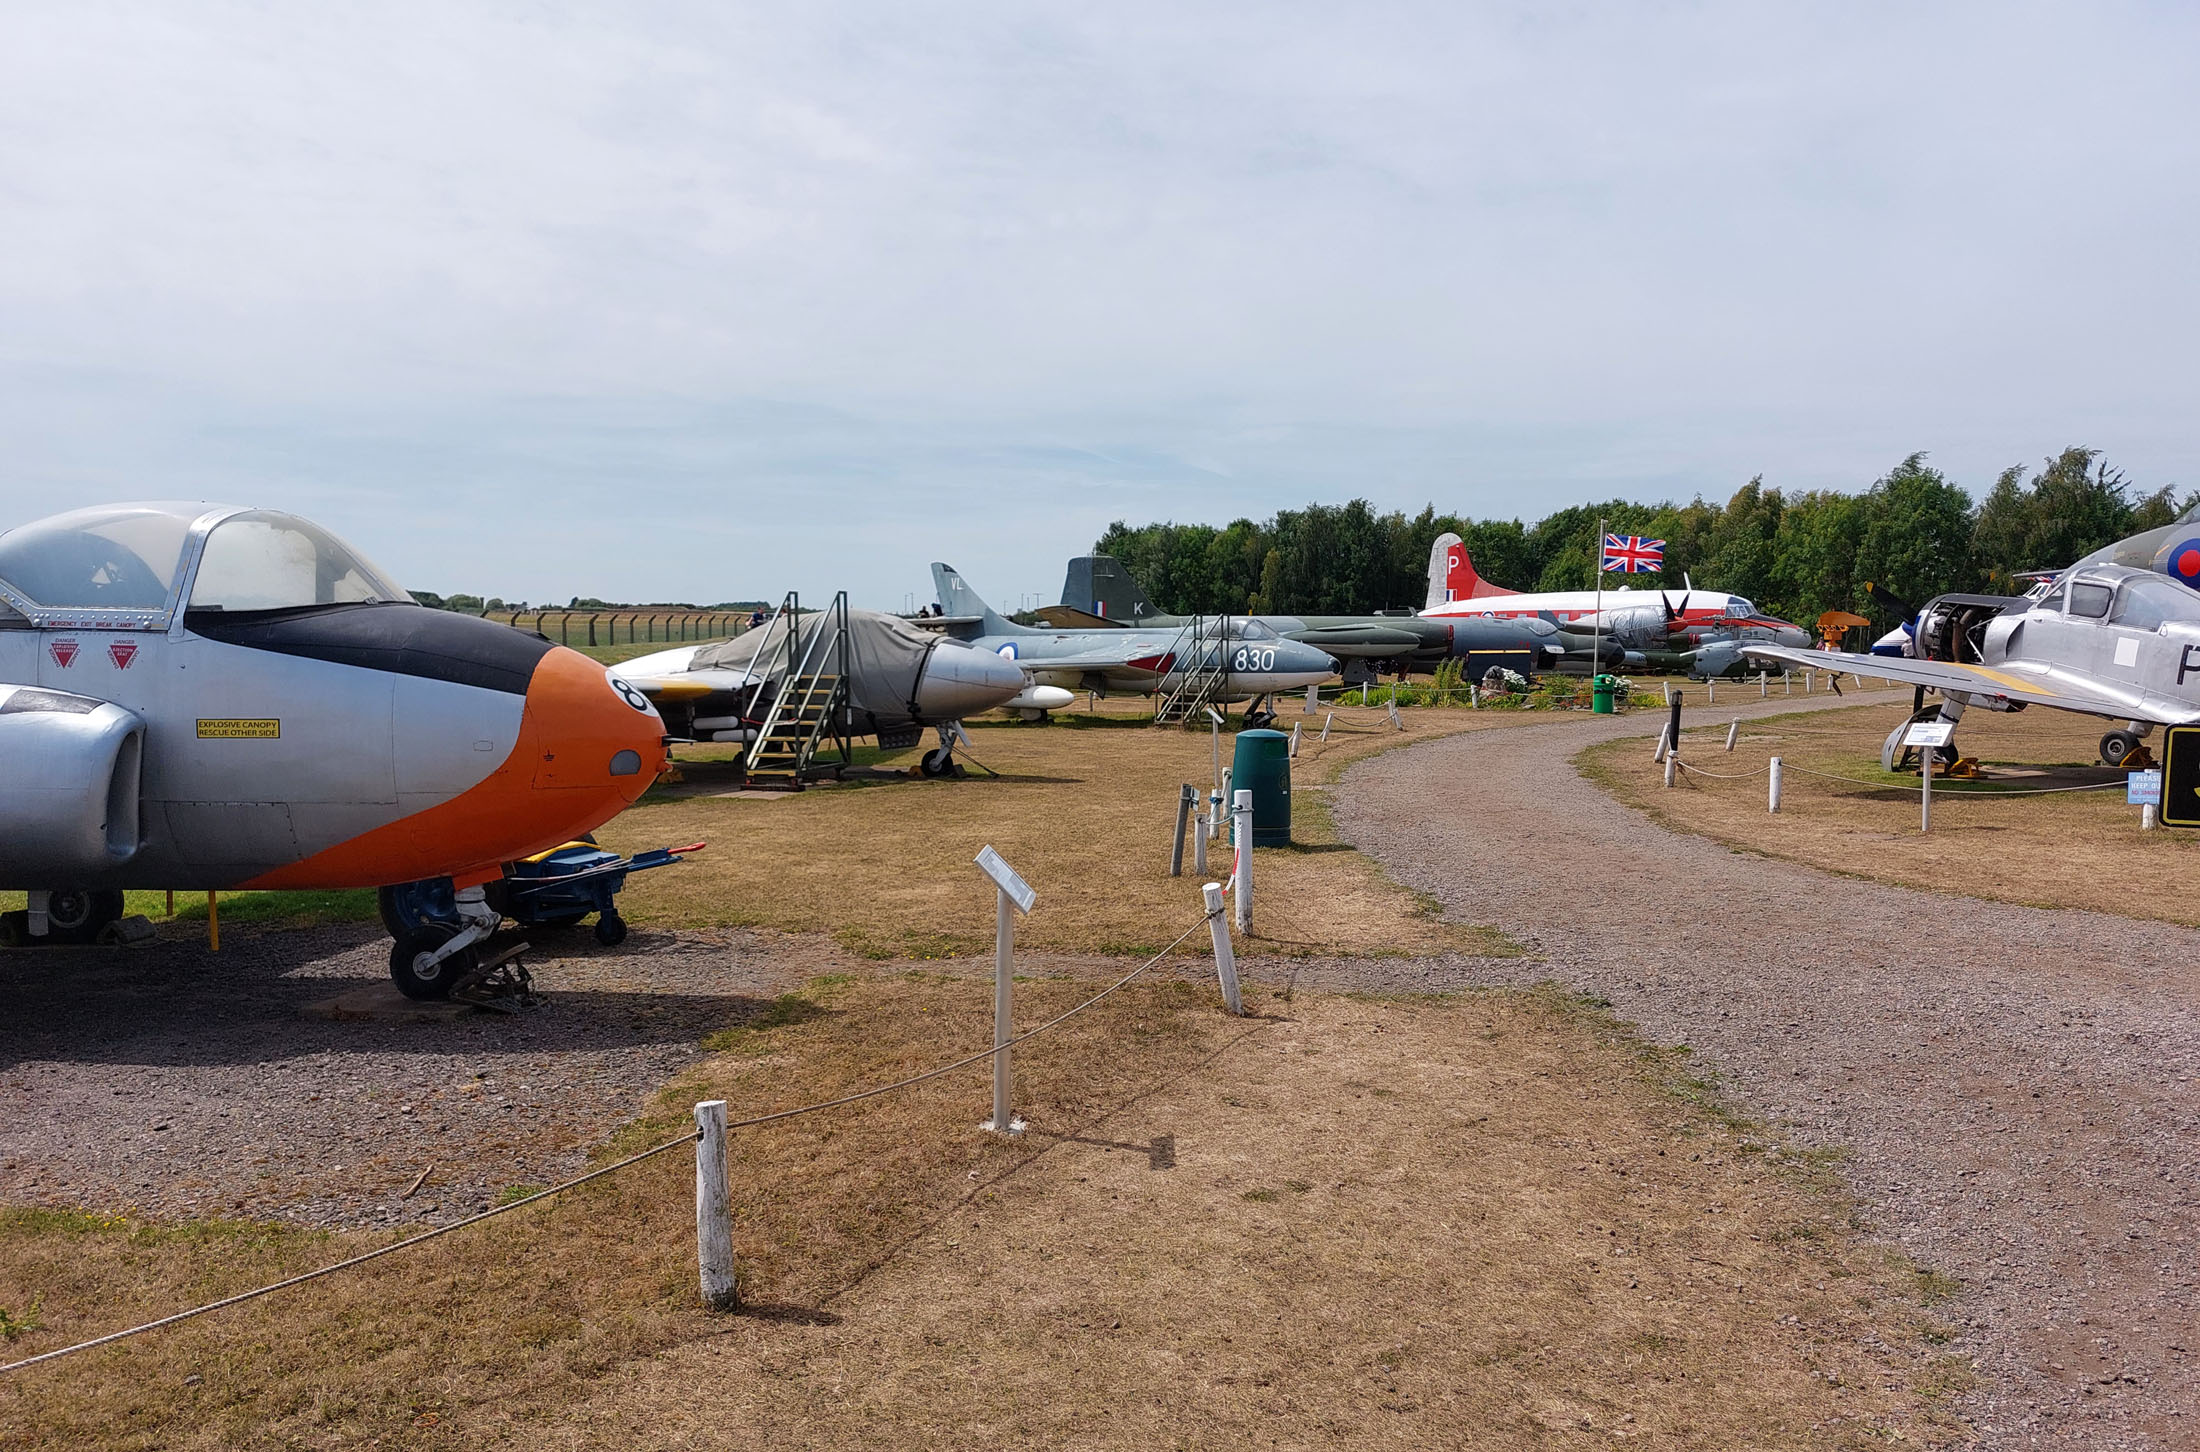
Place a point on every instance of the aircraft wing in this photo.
(687, 685)
(2035, 685)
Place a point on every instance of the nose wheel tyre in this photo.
(2116, 746)
(415, 976)
(937, 762)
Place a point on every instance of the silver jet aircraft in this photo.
(1258, 661)
(2104, 640)
(1097, 590)
(200, 696)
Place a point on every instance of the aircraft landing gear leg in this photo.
(427, 960)
(940, 761)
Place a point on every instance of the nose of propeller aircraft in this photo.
(959, 682)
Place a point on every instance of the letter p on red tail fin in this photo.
(1451, 574)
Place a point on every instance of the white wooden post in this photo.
(1294, 741)
(1672, 765)
(2149, 817)
(1808, 676)
(1225, 959)
(1474, 697)
(1241, 828)
(1734, 729)
(1761, 689)
(1925, 799)
(1668, 691)
(1313, 699)
(1772, 787)
(1710, 690)
(1657, 752)
(1214, 815)
(1325, 724)
(1787, 680)
(714, 1208)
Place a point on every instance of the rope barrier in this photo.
(601, 1171)
(311, 1275)
(1721, 775)
(1944, 787)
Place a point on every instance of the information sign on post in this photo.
(1929, 735)
(2143, 789)
(1013, 890)
(2180, 806)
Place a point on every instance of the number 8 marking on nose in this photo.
(629, 693)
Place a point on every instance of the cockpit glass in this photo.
(2089, 599)
(1254, 630)
(2145, 601)
(112, 558)
(1738, 607)
(269, 561)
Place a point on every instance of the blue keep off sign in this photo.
(2143, 789)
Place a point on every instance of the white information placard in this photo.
(1929, 733)
(1004, 876)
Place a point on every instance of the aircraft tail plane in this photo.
(1451, 574)
(958, 599)
(1099, 585)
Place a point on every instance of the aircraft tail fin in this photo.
(958, 599)
(1099, 585)
(1451, 574)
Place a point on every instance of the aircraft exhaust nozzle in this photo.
(959, 682)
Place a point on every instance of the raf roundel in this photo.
(2183, 561)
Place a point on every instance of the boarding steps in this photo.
(804, 734)
(1206, 680)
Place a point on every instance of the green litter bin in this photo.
(1261, 764)
(1602, 690)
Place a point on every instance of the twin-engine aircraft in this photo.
(202, 696)
(2104, 640)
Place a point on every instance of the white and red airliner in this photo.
(1629, 619)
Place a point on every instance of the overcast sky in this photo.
(701, 301)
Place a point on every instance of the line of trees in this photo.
(1913, 531)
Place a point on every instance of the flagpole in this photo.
(1596, 647)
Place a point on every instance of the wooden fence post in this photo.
(1225, 958)
(714, 1208)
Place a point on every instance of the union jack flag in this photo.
(1633, 554)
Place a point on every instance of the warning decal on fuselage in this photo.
(233, 729)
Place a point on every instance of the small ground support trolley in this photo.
(560, 887)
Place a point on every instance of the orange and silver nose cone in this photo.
(591, 733)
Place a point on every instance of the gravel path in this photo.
(2017, 1085)
(170, 1081)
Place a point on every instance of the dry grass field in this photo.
(1082, 807)
(2075, 849)
(1339, 1222)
